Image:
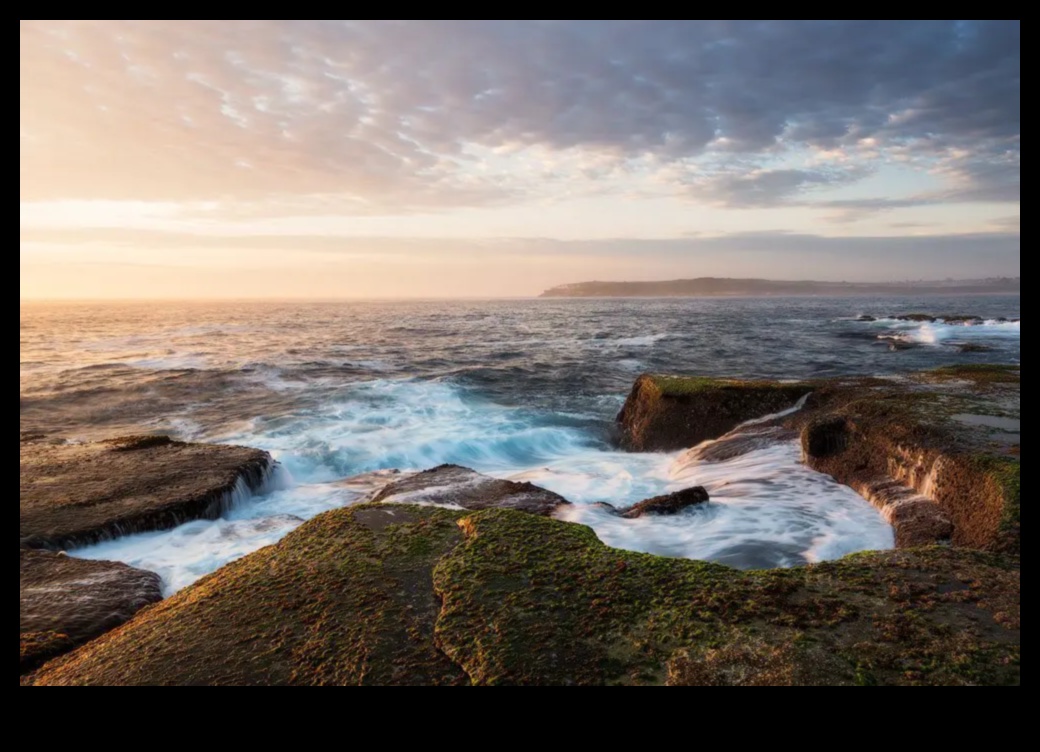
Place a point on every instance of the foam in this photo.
(766, 508)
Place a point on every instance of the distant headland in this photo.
(723, 286)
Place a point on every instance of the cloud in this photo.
(366, 116)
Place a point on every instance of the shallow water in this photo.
(520, 389)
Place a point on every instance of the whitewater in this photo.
(340, 393)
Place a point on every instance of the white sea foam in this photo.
(766, 508)
(939, 332)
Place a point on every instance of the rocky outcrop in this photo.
(672, 412)
(392, 594)
(459, 487)
(929, 451)
(909, 450)
(77, 494)
(671, 503)
(64, 601)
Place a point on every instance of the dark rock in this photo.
(972, 347)
(672, 412)
(64, 601)
(962, 319)
(672, 503)
(77, 494)
(825, 436)
(923, 317)
(739, 442)
(865, 317)
(454, 485)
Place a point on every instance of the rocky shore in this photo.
(451, 577)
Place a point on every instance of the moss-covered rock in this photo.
(347, 598)
(672, 412)
(932, 451)
(76, 494)
(386, 594)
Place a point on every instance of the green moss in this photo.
(531, 601)
(674, 386)
(980, 374)
(505, 597)
(1005, 472)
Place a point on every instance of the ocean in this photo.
(521, 389)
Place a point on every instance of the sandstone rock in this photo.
(741, 441)
(460, 487)
(671, 412)
(391, 594)
(77, 494)
(64, 601)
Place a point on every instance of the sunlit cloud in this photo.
(516, 129)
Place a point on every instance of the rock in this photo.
(934, 479)
(741, 441)
(923, 317)
(961, 319)
(64, 601)
(388, 594)
(972, 347)
(663, 413)
(825, 436)
(77, 494)
(865, 317)
(460, 487)
(672, 503)
(896, 342)
(346, 598)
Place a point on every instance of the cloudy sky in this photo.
(437, 158)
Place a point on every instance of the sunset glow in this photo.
(344, 159)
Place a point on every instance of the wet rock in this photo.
(865, 317)
(672, 503)
(739, 442)
(77, 494)
(672, 412)
(962, 319)
(922, 317)
(64, 601)
(457, 486)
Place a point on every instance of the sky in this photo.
(337, 159)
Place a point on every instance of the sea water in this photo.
(520, 389)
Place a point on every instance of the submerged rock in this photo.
(64, 601)
(672, 503)
(922, 317)
(390, 594)
(461, 487)
(865, 317)
(672, 412)
(77, 494)
(741, 441)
